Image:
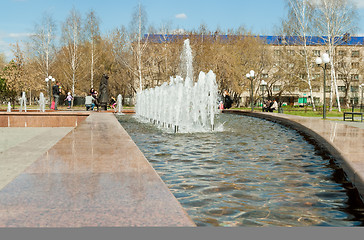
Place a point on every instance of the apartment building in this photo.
(296, 61)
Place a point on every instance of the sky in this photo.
(18, 17)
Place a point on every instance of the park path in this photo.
(95, 176)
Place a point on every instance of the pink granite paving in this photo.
(94, 177)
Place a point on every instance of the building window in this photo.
(341, 64)
(316, 89)
(290, 52)
(328, 89)
(276, 88)
(355, 100)
(264, 75)
(341, 88)
(355, 77)
(290, 65)
(277, 52)
(341, 77)
(316, 53)
(355, 53)
(355, 65)
(341, 53)
(316, 76)
(354, 88)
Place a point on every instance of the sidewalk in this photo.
(95, 176)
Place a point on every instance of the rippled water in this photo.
(254, 173)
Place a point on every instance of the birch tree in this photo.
(92, 29)
(42, 44)
(137, 29)
(71, 35)
(334, 20)
(298, 26)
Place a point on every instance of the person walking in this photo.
(56, 91)
(69, 99)
(227, 100)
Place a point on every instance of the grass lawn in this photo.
(306, 111)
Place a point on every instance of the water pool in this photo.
(254, 173)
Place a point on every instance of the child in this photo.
(69, 99)
(113, 103)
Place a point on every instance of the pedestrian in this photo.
(113, 103)
(69, 99)
(56, 91)
(221, 105)
(227, 100)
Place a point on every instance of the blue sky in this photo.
(18, 17)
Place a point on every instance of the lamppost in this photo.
(49, 86)
(322, 62)
(263, 85)
(251, 76)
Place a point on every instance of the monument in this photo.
(104, 92)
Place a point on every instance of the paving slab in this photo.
(95, 176)
(21, 147)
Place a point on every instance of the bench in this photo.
(350, 116)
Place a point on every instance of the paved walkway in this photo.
(94, 176)
(344, 140)
(20, 147)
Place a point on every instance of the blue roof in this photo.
(312, 40)
(272, 40)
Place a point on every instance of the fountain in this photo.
(23, 103)
(41, 102)
(182, 104)
(119, 104)
(9, 107)
(252, 173)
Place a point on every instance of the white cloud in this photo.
(19, 35)
(7, 39)
(181, 16)
(360, 3)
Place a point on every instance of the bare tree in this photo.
(42, 44)
(92, 29)
(71, 38)
(137, 29)
(335, 20)
(14, 74)
(298, 27)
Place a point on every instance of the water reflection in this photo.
(254, 173)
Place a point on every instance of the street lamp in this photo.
(251, 76)
(263, 85)
(322, 62)
(50, 78)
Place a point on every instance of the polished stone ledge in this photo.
(42, 119)
(345, 143)
(95, 176)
